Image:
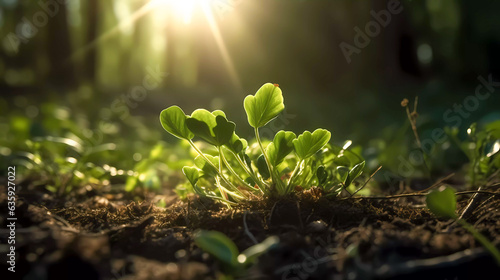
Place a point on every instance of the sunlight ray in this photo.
(115, 30)
(221, 45)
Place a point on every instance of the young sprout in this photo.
(235, 174)
(443, 203)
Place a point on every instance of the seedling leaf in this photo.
(207, 168)
(251, 254)
(173, 121)
(354, 173)
(237, 144)
(262, 167)
(322, 175)
(218, 245)
(193, 174)
(307, 144)
(281, 146)
(264, 106)
(213, 127)
(442, 203)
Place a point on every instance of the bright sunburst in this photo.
(182, 8)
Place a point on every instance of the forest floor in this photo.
(107, 236)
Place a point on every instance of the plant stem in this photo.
(275, 180)
(215, 167)
(294, 173)
(269, 166)
(482, 239)
(250, 173)
(231, 170)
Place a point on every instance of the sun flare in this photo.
(184, 9)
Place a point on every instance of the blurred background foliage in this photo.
(99, 73)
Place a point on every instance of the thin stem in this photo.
(250, 173)
(294, 173)
(277, 182)
(231, 170)
(215, 167)
(269, 166)
(412, 117)
(482, 239)
(220, 187)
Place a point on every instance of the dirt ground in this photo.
(107, 236)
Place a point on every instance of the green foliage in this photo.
(443, 203)
(225, 251)
(264, 106)
(481, 148)
(235, 170)
(173, 120)
(281, 146)
(307, 144)
(211, 127)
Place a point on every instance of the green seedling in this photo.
(234, 264)
(482, 149)
(235, 170)
(443, 204)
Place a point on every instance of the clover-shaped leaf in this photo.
(207, 168)
(264, 106)
(173, 121)
(307, 144)
(213, 127)
(281, 146)
(237, 144)
(193, 175)
(442, 203)
(263, 168)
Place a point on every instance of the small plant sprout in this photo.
(443, 203)
(234, 264)
(235, 171)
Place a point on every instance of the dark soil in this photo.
(108, 237)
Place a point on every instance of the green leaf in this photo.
(213, 127)
(342, 160)
(173, 121)
(202, 164)
(442, 203)
(264, 106)
(322, 175)
(218, 245)
(262, 167)
(193, 175)
(342, 173)
(251, 254)
(307, 144)
(493, 128)
(354, 173)
(237, 144)
(281, 146)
